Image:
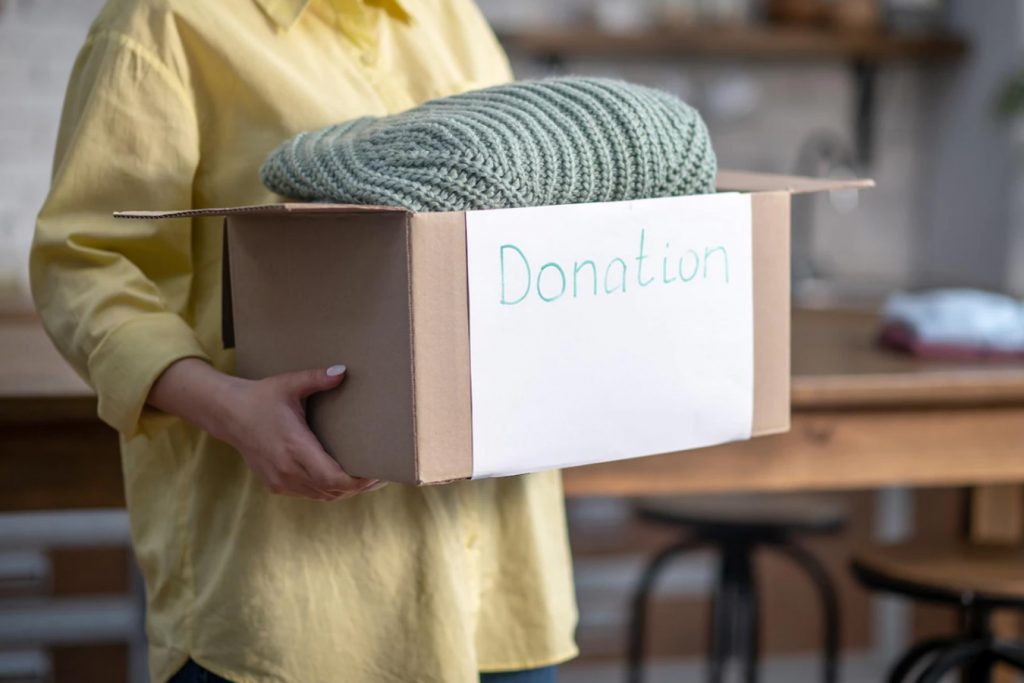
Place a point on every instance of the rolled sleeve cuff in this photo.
(129, 360)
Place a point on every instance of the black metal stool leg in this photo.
(980, 668)
(829, 603)
(952, 659)
(723, 609)
(977, 620)
(915, 655)
(641, 598)
(747, 614)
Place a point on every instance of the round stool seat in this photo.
(948, 572)
(750, 513)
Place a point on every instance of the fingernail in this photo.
(336, 370)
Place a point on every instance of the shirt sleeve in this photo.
(112, 293)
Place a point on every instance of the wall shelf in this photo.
(765, 42)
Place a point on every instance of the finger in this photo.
(280, 485)
(323, 472)
(300, 488)
(293, 482)
(306, 382)
(371, 485)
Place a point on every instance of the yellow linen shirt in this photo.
(174, 104)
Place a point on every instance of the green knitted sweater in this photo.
(532, 143)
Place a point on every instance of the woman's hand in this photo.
(265, 421)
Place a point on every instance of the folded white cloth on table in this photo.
(962, 319)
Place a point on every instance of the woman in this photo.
(263, 560)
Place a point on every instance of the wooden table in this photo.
(862, 418)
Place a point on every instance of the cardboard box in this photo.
(388, 293)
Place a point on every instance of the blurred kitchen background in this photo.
(903, 91)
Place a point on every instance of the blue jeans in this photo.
(193, 673)
(543, 675)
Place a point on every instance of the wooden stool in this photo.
(976, 578)
(736, 526)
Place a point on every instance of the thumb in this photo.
(305, 382)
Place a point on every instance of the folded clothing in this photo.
(531, 143)
(954, 323)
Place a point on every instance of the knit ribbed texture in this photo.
(532, 143)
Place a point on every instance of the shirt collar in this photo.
(284, 13)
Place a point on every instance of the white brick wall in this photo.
(38, 43)
(871, 249)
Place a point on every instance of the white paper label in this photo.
(608, 331)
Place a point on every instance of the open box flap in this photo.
(289, 207)
(748, 181)
(727, 181)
